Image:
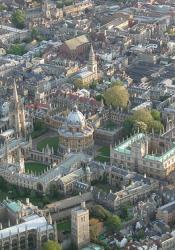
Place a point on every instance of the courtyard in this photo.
(35, 167)
(103, 154)
(50, 141)
(64, 227)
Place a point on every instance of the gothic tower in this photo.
(20, 160)
(92, 64)
(17, 115)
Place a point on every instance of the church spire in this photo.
(15, 94)
(91, 54)
(92, 64)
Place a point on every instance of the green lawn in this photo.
(64, 226)
(103, 154)
(35, 167)
(39, 128)
(110, 125)
(51, 141)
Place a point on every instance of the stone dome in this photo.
(76, 118)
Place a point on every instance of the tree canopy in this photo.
(143, 115)
(2, 7)
(117, 96)
(155, 114)
(114, 223)
(18, 19)
(17, 49)
(143, 120)
(51, 245)
(100, 212)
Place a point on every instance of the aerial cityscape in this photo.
(87, 124)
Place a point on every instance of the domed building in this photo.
(76, 134)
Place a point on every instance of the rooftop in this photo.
(169, 207)
(125, 148)
(76, 42)
(13, 206)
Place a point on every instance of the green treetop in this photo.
(51, 245)
(143, 120)
(18, 19)
(117, 96)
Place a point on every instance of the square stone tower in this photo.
(80, 226)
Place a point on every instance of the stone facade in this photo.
(146, 154)
(76, 135)
(24, 227)
(80, 226)
(166, 213)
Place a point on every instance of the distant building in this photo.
(76, 134)
(167, 212)
(22, 226)
(75, 47)
(146, 154)
(78, 7)
(168, 244)
(88, 74)
(80, 226)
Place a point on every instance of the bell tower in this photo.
(92, 64)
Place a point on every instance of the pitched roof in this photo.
(73, 43)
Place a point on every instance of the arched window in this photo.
(43, 239)
(6, 246)
(14, 244)
(40, 187)
(31, 241)
(51, 236)
(22, 243)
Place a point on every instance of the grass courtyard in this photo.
(103, 154)
(64, 226)
(51, 141)
(35, 167)
(110, 126)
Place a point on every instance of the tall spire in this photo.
(91, 54)
(92, 64)
(15, 94)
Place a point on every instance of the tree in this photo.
(18, 19)
(155, 114)
(17, 49)
(128, 125)
(157, 126)
(140, 126)
(117, 83)
(143, 115)
(99, 97)
(100, 212)
(114, 223)
(51, 245)
(33, 194)
(36, 35)
(145, 120)
(124, 212)
(117, 96)
(78, 83)
(2, 7)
